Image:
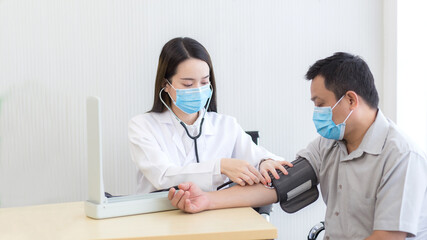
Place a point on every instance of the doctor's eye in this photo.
(319, 104)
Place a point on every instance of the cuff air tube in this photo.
(298, 189)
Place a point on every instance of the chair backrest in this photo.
(254, 135)
(315, 231)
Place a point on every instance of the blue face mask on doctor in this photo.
(322, 118)
(192, 100)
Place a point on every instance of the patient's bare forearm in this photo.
(238, 196)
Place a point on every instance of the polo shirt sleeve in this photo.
(400, 194)
(312, 154)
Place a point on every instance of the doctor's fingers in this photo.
(250, 177)
(257, 174)
(271, 166)
(246, 179)
(282, 168)
(239, 181)
(286, 163)
(266, 176)
(274, 172)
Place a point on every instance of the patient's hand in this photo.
(190, 198)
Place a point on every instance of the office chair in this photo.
(315, 231)
(254, 135)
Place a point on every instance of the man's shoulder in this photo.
(400, 150)
(319, 146)
(324, 143)
(400, 143)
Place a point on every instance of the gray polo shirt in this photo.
(382, 185)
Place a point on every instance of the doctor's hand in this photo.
(241, 172)
(270, 165)
(189, 198)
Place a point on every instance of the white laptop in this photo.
(98, 206)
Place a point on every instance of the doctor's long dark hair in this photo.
(173, 53)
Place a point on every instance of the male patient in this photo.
(372, 179)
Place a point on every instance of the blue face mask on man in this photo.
(322, 118)
(192, 100)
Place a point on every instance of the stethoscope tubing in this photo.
(184, 125)
(193, 137)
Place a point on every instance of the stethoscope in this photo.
(188, 134)
(184, 125)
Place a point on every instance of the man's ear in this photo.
(353, 99)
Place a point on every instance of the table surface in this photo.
(68, 221)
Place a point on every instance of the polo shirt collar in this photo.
(374, 139)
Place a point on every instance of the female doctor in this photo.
(182, 138)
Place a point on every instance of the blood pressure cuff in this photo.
(298, 189)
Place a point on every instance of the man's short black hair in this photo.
(345, 72)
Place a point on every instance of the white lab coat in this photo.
(165, 155)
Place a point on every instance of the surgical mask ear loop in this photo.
(348, 116)
(160, 96)
(168, 93)
(337, 104)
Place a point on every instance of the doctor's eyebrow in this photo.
(192, 79)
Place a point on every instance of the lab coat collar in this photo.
(208, 128)
(167, 117)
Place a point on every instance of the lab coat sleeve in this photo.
(246, 149)
(158, 167)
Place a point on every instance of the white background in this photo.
(411, 74)
(55, 53)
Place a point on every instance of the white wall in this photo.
(389, 86)
(411, 76)
(55, 53)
